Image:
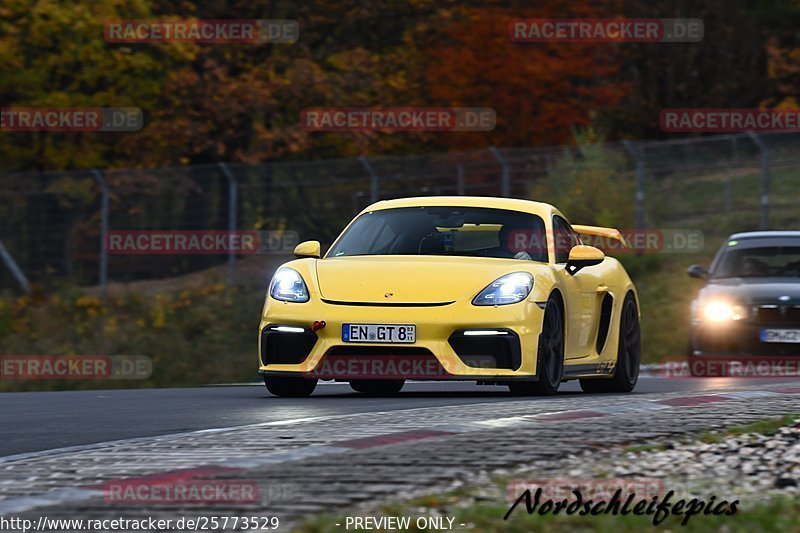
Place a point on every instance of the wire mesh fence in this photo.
(55, 226)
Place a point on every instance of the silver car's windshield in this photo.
(768, 261)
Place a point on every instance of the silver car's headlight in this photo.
(288, 286)
(722, 311)
(509, 289)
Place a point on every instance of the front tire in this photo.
(290, 387)
(629, 353)
(550, 355)
(377, 387)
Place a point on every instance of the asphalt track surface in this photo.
(37, 421)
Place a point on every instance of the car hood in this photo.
(756, 290)
(408, 279)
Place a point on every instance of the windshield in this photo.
(449, 231)
(772, 261)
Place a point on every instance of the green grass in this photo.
(665, 296)
(196, 336)
(643, 448)
(768, 426)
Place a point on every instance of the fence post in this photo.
(730, 167)
(101, 182)
(373, 179)
(505, 183)
(765, 178)
(17, 272)
(636, 152)
(354, 197)
(233, 205)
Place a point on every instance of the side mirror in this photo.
(307, 249)
(697, 271)
(582, 256)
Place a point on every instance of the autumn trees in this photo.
(242, 102)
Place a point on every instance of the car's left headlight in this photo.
(721, 311)
(509, 289)
(288, 286)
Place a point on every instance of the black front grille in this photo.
(767, 314)
(489, 351)
(288, 348)
(771, 315)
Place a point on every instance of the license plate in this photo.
(384, 333)
(781, 335)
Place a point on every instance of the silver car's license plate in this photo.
(781, 335)
(385, 333)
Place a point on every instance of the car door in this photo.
(581, 293)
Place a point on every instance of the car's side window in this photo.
(565, 238)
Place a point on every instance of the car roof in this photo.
(764, 235)
(514, 204)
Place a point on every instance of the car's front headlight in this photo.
(721, 311)
(288, 286)
(509, 289)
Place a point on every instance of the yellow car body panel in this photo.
(597, 231)
(435, 293)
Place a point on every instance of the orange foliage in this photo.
(540, 91)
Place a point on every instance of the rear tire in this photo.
(629, 354)
(550, 355)
(290, 387)
(377, 387)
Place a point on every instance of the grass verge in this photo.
(196, 336)
(765, 427)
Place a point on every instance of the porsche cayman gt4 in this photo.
(493, 290)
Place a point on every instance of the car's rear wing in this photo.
(597, 231)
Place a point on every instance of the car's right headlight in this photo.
(509, 289)
(288, 286)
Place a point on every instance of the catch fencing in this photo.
(54, 225)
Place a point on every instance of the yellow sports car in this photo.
(494, 290)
